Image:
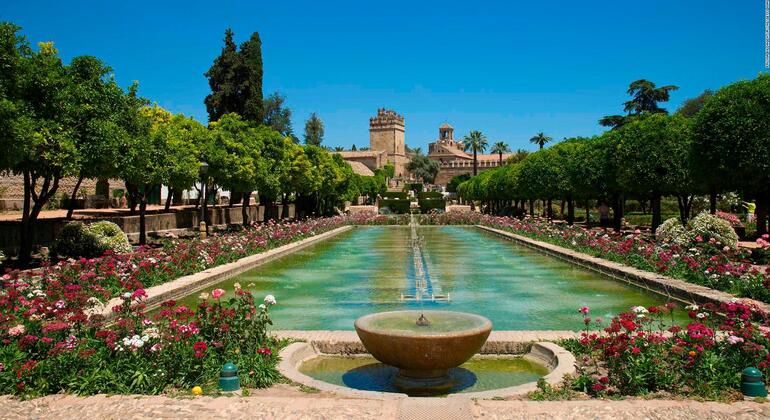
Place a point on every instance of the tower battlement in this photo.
(386, 118)
(386, 133)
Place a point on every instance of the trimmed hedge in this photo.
(394, 195)
(428, 204)
(427, 195)
(416, 187)
(396, 206)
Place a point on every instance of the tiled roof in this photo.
(359, 154)
(359, 168)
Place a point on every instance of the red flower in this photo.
(200, 349)
(635, 350)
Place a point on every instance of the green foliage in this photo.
(235, 79)
(110, 236)
(708, 226)
(428, 205)
(645, 98)
(90, 241)
(456, 181)
(277, 116)
(732, 136)
(395, 195)
(75, 240)
(540, 139)
(395, 206)
(314, 130)
(423, 168)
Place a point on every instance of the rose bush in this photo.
(642, 351)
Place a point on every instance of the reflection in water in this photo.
(379, 377)
(328, 285)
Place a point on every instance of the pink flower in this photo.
(734, 340)
(217, 293)
(584, 310)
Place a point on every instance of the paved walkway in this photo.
(284, 402)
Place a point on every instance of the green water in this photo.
(328, 285)
(477, 374)
(439, 322)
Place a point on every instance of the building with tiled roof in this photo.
(454, 160)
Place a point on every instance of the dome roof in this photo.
(445, 125)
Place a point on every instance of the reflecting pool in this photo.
(372, 269)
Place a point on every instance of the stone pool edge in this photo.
(663, 285)
(559, 361)
(192, 283)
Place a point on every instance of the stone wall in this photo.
(47, 229)
(12, 189)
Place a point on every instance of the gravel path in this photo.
(288, 403)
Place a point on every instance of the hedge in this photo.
(396, 206)
(394, 195)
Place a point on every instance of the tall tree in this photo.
(540, 139)
(97, 132)
(235, 79)
(477, 142)
(278, 116)
(423, 168)
(500, 147)
(250, 78)
(36, 121)
(314, 130)
(223, 81)
(692, 106)
(732, 143)
(645, 96)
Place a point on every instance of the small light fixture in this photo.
(228, 378)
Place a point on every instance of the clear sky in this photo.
(509, 69)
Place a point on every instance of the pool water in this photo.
(328, 285)
(478, 374)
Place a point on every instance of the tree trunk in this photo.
(71, 207)
(142, 214)
(549, 211)
(25, 234)
(570, 211)
(763, 208)
(285, 205)
(588, 213)
(617, 211)
(713, 201)
(169, 197)
(132, 191)
(475, 163)
(532, 208)
(561, 209)
(655, 204)
(245, 208)
(205, 205)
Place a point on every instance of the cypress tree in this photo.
(251, 79)
(224, 97)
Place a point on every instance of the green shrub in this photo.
(430, 195)
(708, 226)
(673, 232)
(395, 206)
(111, 236)
(89, 241)
(427, 205)
(416, 187)
(76, 240)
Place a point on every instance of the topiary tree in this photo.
(731, 142)
(653, 160)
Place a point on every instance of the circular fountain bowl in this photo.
(423, 354)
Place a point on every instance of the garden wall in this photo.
(172, 222)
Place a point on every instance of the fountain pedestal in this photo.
(423, 351)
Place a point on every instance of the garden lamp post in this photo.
(202, 169)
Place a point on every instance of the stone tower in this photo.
(386, 133)
(446, 132)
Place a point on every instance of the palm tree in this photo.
(540, 139)
(500, 147)
(478, 143)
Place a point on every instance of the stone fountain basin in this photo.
(450, 340)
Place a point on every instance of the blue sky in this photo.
(509, 69)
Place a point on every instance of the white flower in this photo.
(702, 315)
(262, 306)
(270, 300)
(237, 286)
(692, 307)
(639, 310)
(204, 296)
(126, 295)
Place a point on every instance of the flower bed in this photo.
(640, 352)
(706, 263)
(50, 345)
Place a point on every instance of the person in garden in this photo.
(751, 208)
(604, 214)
